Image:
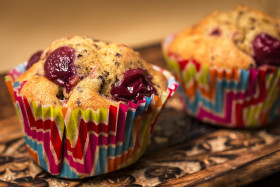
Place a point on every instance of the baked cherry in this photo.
(135, 84)
(33, 59)
(266, 49)
(59, 67)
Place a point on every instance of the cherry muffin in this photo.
(228, 66)
(87, 106)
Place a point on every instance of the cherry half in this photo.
(59, 67)
(33, 59)
(266, 49)
(135, 84)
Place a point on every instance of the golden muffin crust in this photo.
(225, 39)
(39, 88)
(99, 65)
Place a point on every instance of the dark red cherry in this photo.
(267, 50)
(59, 67)
(33, 59)
(135, 84)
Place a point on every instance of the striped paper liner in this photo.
(226, 97)
(82, 143)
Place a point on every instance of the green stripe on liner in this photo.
(101, 116)
(48, 112)
(203, 76)
(189, 73)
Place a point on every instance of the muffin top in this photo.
(241, 38)
(81, 72)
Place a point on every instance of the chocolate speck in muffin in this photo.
(265, 20)
(117, 63)
(100, 77)
(79, 55)
(85, 51)
(116, 80)
(79, 89)
(106, 73)
(96, 40)
(216, 32)
(240, 13)
(59, 95)
(102, 84)
(156, 85)
(79, 102)
(118, 55)
(96, 46)
(253, 19)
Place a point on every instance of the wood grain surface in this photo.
(182, 152)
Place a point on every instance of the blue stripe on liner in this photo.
(171, 81)
(39, 149)
(128, 136)
(220, 88)
(66, 172)
(101, 161)
(16, 84)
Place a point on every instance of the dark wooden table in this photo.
(183, 152)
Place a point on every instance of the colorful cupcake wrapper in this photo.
(76, 143)
(227, 97)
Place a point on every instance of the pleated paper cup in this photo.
(77, 143)
(226, 97)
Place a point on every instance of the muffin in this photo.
(227, 65)
(87, 106)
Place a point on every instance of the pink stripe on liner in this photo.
(40, 136)
(121, 122)
(230, 98)
(112, 119)
(253, 75)
(89, 156)
(45, 125)
(22, 111)
(91, 126)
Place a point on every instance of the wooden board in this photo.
(183, 151)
